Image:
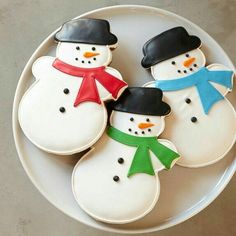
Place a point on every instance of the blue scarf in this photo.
(208, 94)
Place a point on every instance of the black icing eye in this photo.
(149, 130)
(77, 48)
(94, 59)
(82, 61)
(179, 71)
(131, 119)
(93, 48)
(76, 59)
(195, 65)
(187, 55)
(148, 120)
(173, 63)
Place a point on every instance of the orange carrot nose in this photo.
(145, 125)
(189, 61)
(90, 54)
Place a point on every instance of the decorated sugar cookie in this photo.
(117, 181)
(203, 122)
(63, 112)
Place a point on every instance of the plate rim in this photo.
(212, 195)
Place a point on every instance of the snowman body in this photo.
(100, 182)
(103, 198)
(47, 113)
(202, 139)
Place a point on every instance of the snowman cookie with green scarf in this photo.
(203, 122)
(117, 180)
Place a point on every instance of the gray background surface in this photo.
(23, 26)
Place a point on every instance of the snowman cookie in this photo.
(117, 180)
(203, 122)
(63, 112)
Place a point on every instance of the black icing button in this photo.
(116, 178)
(66, 91)
(194, 119)
(121, 160)
(188, 100)
(62, 109)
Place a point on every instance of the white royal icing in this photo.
(210, 138)
(129, 199)
(77, 128)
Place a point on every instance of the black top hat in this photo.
(140, 100)
(168, 44)
(91, 31)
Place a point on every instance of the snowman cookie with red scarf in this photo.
(63, 112)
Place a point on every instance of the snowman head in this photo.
(85, 43)
(173, 54)
(140, 112)
(179, 66)
(84, 55)
(137, 125)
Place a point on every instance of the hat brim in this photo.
(110, 42)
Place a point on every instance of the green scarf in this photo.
(142, 161)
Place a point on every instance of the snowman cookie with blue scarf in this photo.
(117, 181)
(203, 122)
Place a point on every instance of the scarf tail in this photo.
(112, 84)
(208, 95)
(87, 92)
(141, 162)
(164, 154)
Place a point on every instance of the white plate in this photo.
(184, 192)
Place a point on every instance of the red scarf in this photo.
(88, 90)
